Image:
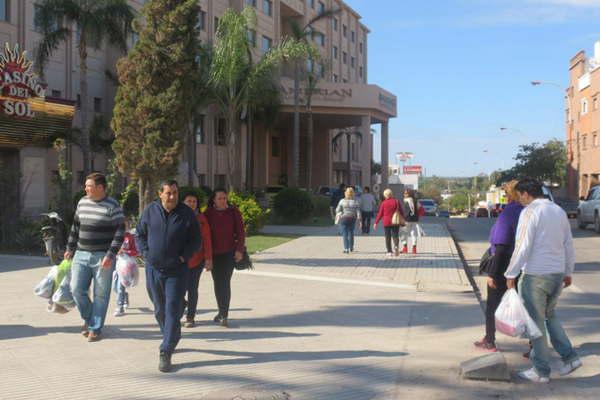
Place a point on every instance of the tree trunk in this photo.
(83, 93)
(146, 193)
(191, 156)
(249, 152)
(296, 133)
(233, 151)
(309, 149)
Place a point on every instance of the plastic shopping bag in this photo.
(115, 282)
(512, 318)
(127, 269)
(63, 296)
(45, 288)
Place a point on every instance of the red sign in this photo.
(18, 82)
(412, 169)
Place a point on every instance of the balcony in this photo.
(296, 5)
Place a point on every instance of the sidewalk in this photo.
(308, 323)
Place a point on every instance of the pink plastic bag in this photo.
(127, 269)
(512, 318)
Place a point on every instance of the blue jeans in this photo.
(540, 294)
(166, 289)
(122, 295)
(347, 226)
(87, 266)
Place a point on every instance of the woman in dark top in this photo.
(228, 243)
(502, 243)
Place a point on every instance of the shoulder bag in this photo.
(397, 218)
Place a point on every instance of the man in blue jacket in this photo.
(168, 235)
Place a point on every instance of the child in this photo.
(128, 247)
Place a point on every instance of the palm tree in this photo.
(94, 23)
(236, 81)
(302, 33)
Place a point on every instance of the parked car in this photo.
(429, 206)
(482, 212)
(588, 211)
(570, 206)
(444, 214)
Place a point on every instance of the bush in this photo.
(293, 205)
(252, 213)
(202, 197)
(130, 200)
(27, 235)
(320, 206)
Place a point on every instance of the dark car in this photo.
(570, 206)
(482, 212)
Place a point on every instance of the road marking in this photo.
(575, 289)
(331, 280)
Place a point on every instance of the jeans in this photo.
(540, 294)
(347, 226)
(391, 232)
(222, 272)
(193, 281)
(87, 266)
(409, 229)
(122, 295)
(366, 220)
(166, 289)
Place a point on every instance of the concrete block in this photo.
(491, 367)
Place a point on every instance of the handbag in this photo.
(397, 218)
(486, 262)
(338, 218)
(244, 263)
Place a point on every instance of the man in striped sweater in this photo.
(95, 239)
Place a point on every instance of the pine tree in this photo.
(153, 105)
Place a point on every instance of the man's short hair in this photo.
(98, 178)
(167, 182)
(367, 189)
(531, 186)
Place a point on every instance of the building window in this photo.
(352, 61)
(275, 146)
(321, 7)
(335, 24)
(584, 106)
(251, 36)
(266, 44)
(595, 104)
(220, 133)
(344, 30)
(202, 179)
(56, 93)
(595, 142)
(335, 52)
(199, 130)
(353, 36)
(268, 7)
(4, 10)
(360, 71)
(219, 181)
(216, 24)
(344, 57)
(360, 47)
(336, 78)
(97, 104)
(320, 39)
(202, 21)
(312, 4)
(251, 3)
(78, 101)
(584, 144)
(344, 80)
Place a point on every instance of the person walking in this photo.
(348, 210)
(96, 236)
(387, 208)
(545, 257)
(228, 246)
(368, 204)
(202, 259)
(168, 236)
(336, 196)
(502, 244)
(411, 214)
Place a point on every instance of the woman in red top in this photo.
(387, 208)
(228, 243)
(202, 259)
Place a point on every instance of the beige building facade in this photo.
(345, 106)
(583, 123)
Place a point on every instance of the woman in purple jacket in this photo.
(502, 244)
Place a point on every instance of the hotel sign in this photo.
(18, 83)
(326, 94)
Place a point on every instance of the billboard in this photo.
(412, 169)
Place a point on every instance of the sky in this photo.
(461, 70)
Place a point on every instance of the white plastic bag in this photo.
(127, 269)
(45, 288)
(63, 295)
(512, 318)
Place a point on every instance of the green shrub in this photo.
(27, 235)
(202, 197)
(130, 200)
(320, 206)
(293, 205)
(252, 213)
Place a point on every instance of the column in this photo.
(384, 155)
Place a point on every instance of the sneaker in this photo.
(531, 375)
(164, 362)
(569, 367)
(483, 344)
(217, 318)
(119, 311)
(404, 249)
(93, 336)
(414, 249)
(84, 330)
(390, 254)
(189, 323)
(346, 251)
(224, 323)
(126, 302)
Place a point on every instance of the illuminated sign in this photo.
(412, 169)
(18, 83)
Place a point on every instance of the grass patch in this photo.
(257, 243)
(311, 221)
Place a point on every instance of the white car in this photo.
(588, 211)
(429, 206)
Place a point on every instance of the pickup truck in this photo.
(588, 211)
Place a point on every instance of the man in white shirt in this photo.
(544, 255)
(367, 207)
